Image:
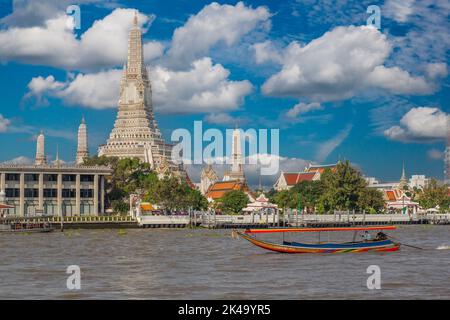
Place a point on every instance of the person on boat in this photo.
(366, 236)
(380, 236)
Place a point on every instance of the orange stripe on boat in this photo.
(320, 229)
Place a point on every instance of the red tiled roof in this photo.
(390, 195)
(294, 178)
(321, 168)
(218, 189)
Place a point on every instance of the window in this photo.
(12, 192)
(31, 177)
(69, 177)
(31, 193)
(50, 177)
(12, 177)
(87, 178)
(86, 193)
(50, 193)
(68, 193)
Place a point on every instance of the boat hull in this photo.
(382, 246)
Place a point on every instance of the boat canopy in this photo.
(275, 230)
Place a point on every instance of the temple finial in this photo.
(135, 19)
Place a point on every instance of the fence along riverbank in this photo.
(215, 221)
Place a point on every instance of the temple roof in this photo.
(294, 178)
(218, 189)
(320, 168)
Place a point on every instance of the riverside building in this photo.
(54, 189)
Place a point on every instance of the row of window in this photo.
(48, 193)
(48, 177)
(51, 208)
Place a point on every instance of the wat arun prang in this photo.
(136, 133)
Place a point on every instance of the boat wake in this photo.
(443, 247)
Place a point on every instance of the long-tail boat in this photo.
(380, 243)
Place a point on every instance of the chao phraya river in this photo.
(209, 264)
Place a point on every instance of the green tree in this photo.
(371, 200)
(342, 187)
(284, 199)
(434, 194)
(129, 176)
(233, 202)
(196, 200)
(308, 193)
(172, 195)
(119, 206)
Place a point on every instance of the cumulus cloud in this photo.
(267, 52)
(420, 124)
(340, 64)
(214, 24)
(55, 44)
(203, 87)
(4, 123)
(97, 90)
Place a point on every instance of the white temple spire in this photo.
(40, 150)
(82, 148)
(237, 165)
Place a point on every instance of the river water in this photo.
(209, 264)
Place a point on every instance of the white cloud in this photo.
(399, 10)
(96, 90)
(340, 64)
(22, 160)
(224, 119)
(302, 108)
(267, 52)
(436, 70)
(28, 13)
(214, 24)
(54, 44)
(435, 154)
(326, 148)
(420, 124)
(203, 88)
(4, 123)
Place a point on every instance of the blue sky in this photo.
(335, 88)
